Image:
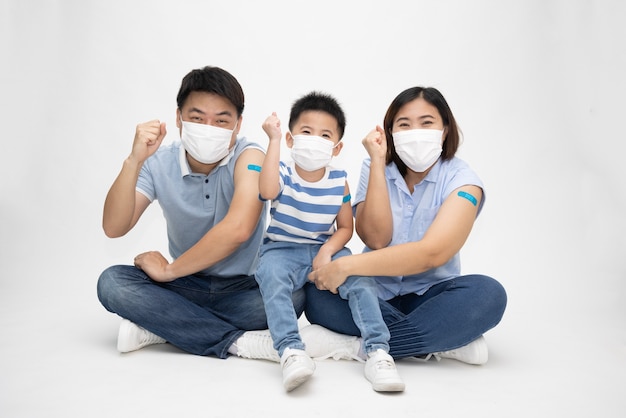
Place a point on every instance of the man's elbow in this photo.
(112, 231)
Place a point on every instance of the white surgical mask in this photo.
(205, 143)
(311, 152)
(418, 148)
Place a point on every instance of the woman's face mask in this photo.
(419, 149)
(312, 152)
(205, 143)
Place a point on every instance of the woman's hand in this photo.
(375, 144)
(330, 276)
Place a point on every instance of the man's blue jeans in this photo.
(449, 315)
(198, 314)
(284, 266)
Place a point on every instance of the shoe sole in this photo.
(389, 387)
(294, 381)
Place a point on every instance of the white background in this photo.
(537, 87)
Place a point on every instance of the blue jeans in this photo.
(199, 314)
(284, 267)
(449, 315)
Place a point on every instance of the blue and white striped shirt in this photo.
(305, 212)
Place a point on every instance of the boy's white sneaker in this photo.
(381, 371)
(475, 352)
(132, 337)
(297, 367)
(257, 345)
(322, 343)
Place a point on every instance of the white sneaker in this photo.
(380, 369)
(132, 337)
(322, 343)
(297, 368)
(257, 345)
(475, 352)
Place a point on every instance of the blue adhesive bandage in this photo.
(254, 167)
(468, 197)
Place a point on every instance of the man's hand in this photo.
(155, 266)
(148, 138)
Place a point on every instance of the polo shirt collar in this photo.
(185, 170)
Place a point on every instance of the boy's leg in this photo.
(362, 297)
(282, 267)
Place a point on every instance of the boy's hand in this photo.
(271, 126)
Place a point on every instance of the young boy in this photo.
(311, 222)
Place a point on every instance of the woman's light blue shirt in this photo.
(414, 213)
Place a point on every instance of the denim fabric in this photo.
(284, 267)
(449, 315)
(199, 314)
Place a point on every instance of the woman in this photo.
(414, 209)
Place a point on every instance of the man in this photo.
(206, 301)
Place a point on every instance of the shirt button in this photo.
(206, 180)
(206, 196)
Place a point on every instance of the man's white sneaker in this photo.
(257, 345)
(132, 337)
(322, 343)
(475, 352)
(381, 371)
(297, 367)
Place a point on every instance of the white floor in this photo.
(58, 358)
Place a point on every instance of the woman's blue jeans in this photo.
(449, 315)
(199, 314)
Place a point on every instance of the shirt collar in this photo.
(185, 170)
(394, 174)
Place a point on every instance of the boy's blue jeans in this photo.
(449, 315)
(199, 314)
(284, 267)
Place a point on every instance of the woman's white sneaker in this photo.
(475, 352)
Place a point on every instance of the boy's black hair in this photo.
(320, 102)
